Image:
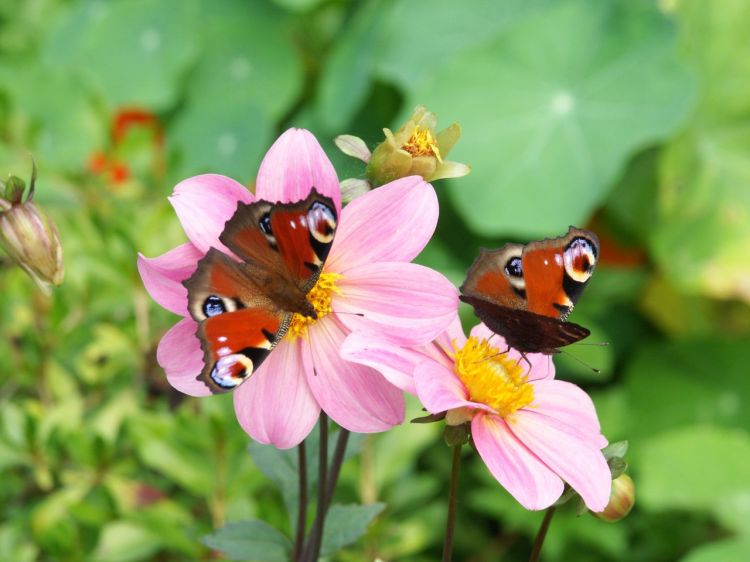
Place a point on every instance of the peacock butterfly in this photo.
(243, 308)
(525, 293)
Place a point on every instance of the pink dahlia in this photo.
(367, 272)
(532, 431)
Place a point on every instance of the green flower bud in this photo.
(415, 149)
(29, 237)
(621, 499)
(14, 188)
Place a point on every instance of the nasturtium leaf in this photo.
(721, 551)
(346, 76)
(60, 123)
(702, 237)
(346, 523)
(419, 39)
(227, 138)
(254, 541)
(247, 59)
(134, 52)
(700, 468)
(552, 107)
(679, 384)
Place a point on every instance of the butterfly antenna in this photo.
(581, 361)
(597, 343)
(485, 358)
(352, 313)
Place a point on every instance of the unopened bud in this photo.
(621, 499)
(29, 237)
(14, 188)
(457, 434)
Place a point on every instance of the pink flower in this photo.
(532, 431)
(367, 272)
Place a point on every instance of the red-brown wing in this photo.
(292, 239)
(526, 331)
(493, 277)
(238, 323)
(557, 270)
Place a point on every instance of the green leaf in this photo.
(679, 384)
(254, 541)
(247, 60)
(346, 76)
(229, 138)
(133, 51)
(420, 39)
(722, 551)
(346, 523)
(697, 468)
(123, 541)
(557, 103)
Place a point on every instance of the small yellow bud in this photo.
(621, 499)
(29, 237)
(416, 149)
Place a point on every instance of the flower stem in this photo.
(302, 505)
(336, 462)
(312, 548)
(452, 498)
(542, 534)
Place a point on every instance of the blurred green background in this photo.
(630, 117)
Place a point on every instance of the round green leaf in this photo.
(697, 468)
(551, 109)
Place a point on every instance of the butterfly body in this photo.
(244, 306)
(525, 293)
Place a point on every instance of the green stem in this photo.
(452, 499)
(542, 534)
(302, 505)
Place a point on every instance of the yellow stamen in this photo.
(491, 378)
(422, 143)
(320, 297)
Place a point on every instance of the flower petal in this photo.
(391, 223)
(569, 404)
(162, 276)
(180, 355)
(440, 390)
(395, 363)
(203, 204)
(519, 471)
(450, 170)
(293, 166)
(562, 448)
(276, 405)
(542, 366)
(404, 303)
(355, 396)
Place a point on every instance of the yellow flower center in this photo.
(422, 143)
(320, 297)
(491, 378)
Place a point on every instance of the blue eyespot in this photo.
(213, 306)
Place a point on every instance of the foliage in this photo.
(627, 116)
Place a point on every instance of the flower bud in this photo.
(415, 149)
(621, 499)
(29, 237)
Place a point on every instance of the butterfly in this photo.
(525, 293)
(244, 308)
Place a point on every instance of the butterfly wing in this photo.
(496, 276)
(557, 270)
(526, 331)
(524, 293)
(289, 238)
(238, 324)
(244, 308)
